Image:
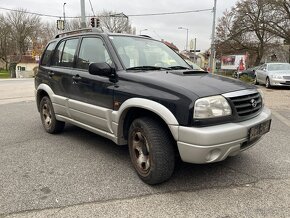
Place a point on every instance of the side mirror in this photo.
(102, 69)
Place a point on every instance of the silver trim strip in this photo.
(240, 93)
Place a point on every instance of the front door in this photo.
(91, 98)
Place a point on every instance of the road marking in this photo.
(281, 118)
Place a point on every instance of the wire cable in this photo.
(131, 15)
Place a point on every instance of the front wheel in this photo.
(268, 84)
(256, 81)
(49, 122)
(151, 150)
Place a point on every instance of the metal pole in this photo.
(186, 39)
(63, 15)
(83, 16)
(212, 49)
(195, 50)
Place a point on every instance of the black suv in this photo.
(135, 90)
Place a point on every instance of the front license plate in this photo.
(259, 130)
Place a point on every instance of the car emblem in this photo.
(253, 103)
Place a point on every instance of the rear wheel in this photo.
(151, 150)
(268, 84)
(49, 122)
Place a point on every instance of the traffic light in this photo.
(93, 22)
(97, 22)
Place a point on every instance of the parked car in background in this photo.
(273, 74)
(250, 72)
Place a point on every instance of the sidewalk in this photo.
(16, 90)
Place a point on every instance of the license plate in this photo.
(259, 130)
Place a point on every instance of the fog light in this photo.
(213, 155)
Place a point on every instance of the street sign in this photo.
(192, 50)
(60, 24)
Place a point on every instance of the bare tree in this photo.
(6, 44)
(244, 28)
(115, 22)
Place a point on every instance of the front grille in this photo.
(247, 104)
(286, 77)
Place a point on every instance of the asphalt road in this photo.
(79, 174)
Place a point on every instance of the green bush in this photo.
(247, 79)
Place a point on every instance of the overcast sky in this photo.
(165, 27)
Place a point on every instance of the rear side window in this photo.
(64, 55)
(92, 50)
(47, 54)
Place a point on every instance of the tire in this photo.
(256, 81)
(268, 84)
(151, 148)
(49, 122)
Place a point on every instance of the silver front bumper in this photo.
(215, 143)
(279, 82)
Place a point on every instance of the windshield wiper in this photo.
(148, 68)
(179, 68)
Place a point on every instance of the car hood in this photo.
(198, 83)
(280, 72)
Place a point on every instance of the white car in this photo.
(273, 74)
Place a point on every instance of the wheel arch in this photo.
(43, 90)
(138, 107)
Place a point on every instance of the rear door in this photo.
(60, 73)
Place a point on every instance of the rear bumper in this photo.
(215, 143)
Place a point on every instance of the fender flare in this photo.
(164, 113)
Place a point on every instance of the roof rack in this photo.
(145, 36)
(85, 30)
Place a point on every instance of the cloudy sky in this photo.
(159, 27)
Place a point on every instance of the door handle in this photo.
(76, 78)
(50, 73)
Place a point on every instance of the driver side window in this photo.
(92, 50)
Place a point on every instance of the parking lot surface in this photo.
(80, 174)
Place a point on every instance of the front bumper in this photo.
(215, 143)
(279, 82)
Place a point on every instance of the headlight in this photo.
(210, 107)
(262, 95)
(276, 77)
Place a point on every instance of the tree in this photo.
(244, 28)
(279, 20)
(115, 22)
(5, 40)
(24, 27)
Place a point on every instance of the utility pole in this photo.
(63, 8)
(195, 50)
(212, 49)
(83, 16)
(186, 36)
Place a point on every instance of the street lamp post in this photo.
(142, 31)
(186, 36)
(212, 49)
(63, 8)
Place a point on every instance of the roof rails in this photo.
(85, 30)
(145, 36)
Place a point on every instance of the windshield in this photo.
(274, 67)
(138, 52)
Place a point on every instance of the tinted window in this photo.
(92, 50)
(47, 53)
(65, 52)
(57, 56)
